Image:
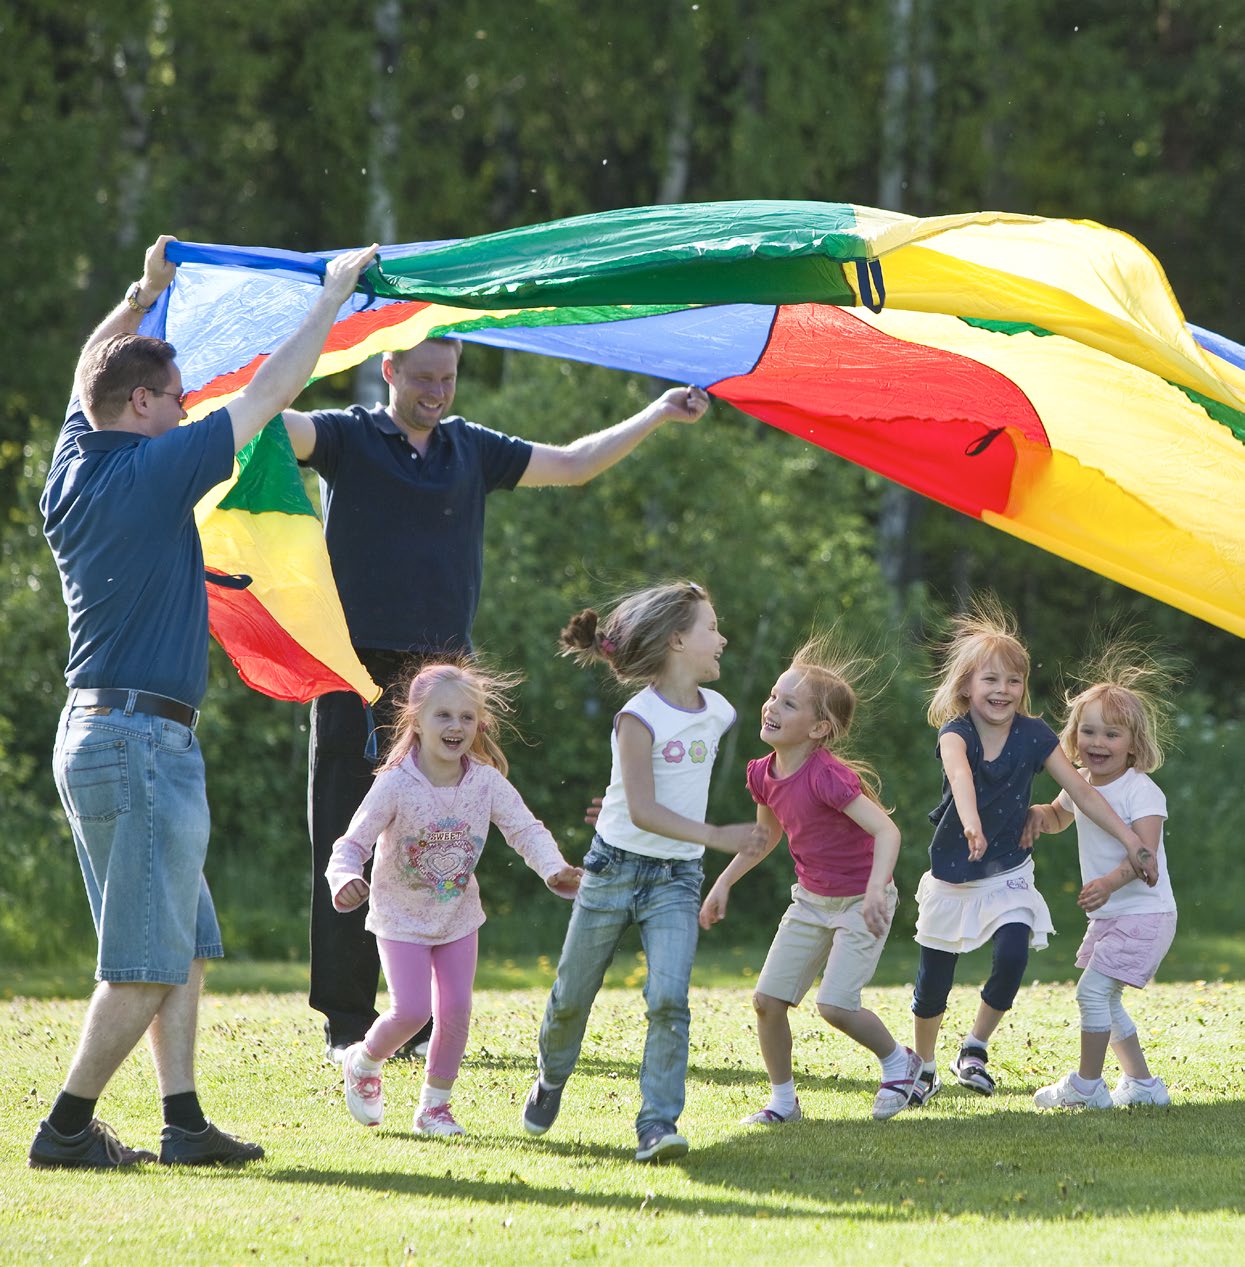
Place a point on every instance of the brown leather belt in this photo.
(135, 702)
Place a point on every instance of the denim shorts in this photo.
(134, 792)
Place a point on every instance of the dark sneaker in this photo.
(928, 1085)
(661, 1143)
(208, 1147)
(541, 1110)
(969, 1068)
(96, 1148)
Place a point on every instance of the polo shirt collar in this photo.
(386, 425)
(110, 438)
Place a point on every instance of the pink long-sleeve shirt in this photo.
(427, 841)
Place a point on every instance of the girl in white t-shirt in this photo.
(1113, 733)
(644, 864)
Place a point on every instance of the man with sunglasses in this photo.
(119, 516)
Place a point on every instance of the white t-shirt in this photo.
(1133, 795)
(685, 746)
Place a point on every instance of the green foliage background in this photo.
(310, 124)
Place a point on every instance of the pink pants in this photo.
(427, 981)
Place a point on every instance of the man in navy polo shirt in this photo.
(119, 515)
(403, 489)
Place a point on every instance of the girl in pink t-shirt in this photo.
(428, 813)
(844, 846)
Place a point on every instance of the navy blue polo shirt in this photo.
(118, 512)
(1004, 787)
(405, 533)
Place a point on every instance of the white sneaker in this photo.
(364, 1097)
(769, 1117)
(1063, 1095)
(1130, 1091)
(896, 1095)
(437, 1120)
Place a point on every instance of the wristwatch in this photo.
(131, 298)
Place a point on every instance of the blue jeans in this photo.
(662, 898)
(133, 789)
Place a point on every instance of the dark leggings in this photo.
(936, 973)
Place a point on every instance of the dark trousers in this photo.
(345, 965)
(936, 972)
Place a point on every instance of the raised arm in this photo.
(1094, 806)
(285, 373)
(713, 909)
(125, 318)
(585, 458)
(635, 748)
(954, 753)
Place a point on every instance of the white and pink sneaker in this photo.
(437, 1120)
(364, 1097)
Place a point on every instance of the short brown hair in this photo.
(110, 371)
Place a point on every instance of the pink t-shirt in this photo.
(833, 855)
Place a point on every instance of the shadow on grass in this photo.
(1005, 1164)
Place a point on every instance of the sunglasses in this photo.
(181, 397)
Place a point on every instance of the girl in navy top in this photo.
(980, 887)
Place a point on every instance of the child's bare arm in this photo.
(713, 909)
(954, 753)
(879, 824)
(1093, 804)
(635, 747)
(1096, 891)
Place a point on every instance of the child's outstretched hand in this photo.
(713, 909)
(353, 893)
(976, 842)
(565, 883)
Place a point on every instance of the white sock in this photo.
(894, 1065)
(546, 1085)
(929, 1067)
(782, 1098)
(364, 1060)
(431, 1096)
(971, 1040)
(1084, 1085)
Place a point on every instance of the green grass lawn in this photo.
(965, 1180)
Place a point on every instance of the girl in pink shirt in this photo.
(427, 815)
(844, 846)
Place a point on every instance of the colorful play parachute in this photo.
(1037, 374)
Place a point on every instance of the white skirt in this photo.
(960, 917)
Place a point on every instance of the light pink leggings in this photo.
(426, 981)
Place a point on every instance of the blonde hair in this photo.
(633, 637)
(1128, 684)
(987, 631)
(488, 688)
(827, 672)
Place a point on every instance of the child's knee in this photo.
(767, 1007)
(839, 1017)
